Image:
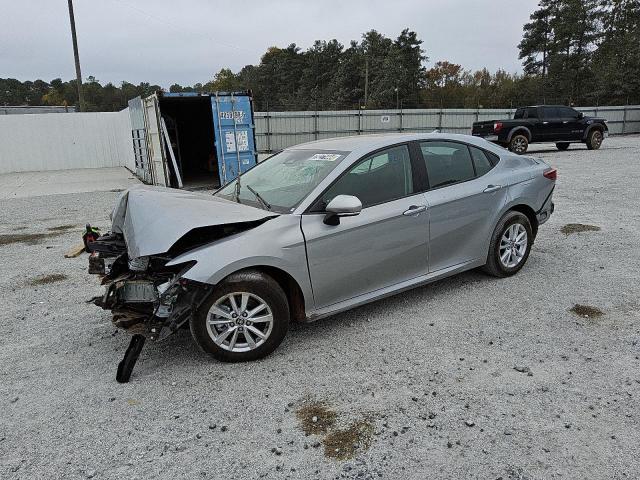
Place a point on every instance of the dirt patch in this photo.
(61, 228)
(27, 238)
(586, 311)
(570, 228)
(345, 444)
(315, 418)
(46, 279)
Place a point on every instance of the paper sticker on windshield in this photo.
(326, 157)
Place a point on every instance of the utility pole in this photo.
(366, 81)
(76, 56)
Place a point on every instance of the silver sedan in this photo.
(317, 229)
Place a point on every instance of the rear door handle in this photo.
(414, 210)
(492, 188)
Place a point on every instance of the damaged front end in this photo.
(146, 298)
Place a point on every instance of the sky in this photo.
(186, 42)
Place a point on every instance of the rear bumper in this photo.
(546, 211)
(487, 137)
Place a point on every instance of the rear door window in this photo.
(481, 161)
(532, 112)
(551, 112)
(447, 163)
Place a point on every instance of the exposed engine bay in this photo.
(147, 297)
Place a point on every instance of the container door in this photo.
(234, 135)
(139, 137)
(156, 169)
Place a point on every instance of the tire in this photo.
(562, 146)
(594, 139)
(258, 288)
(519, 144)
(495, 265)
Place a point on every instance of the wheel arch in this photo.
(529, 213)
(290, 287)
(519, 129)
(590, 128)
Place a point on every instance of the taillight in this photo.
(551, 174)
(497, 127)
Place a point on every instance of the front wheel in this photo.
(519, 144)
(510, 245)
(245, 318)
(594, 139)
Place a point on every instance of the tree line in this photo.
(574, 52)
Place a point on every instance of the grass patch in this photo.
(570, 228)
(345, 444)
(315, 418)
(61, 228)
(586, 311)
(46, 279)
(27, 238)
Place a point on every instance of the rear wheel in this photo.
(519, 144)
(510, 245)
(562, 145)
(594, 139)
(245, 318)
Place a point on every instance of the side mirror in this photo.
(580, 115)
(342, 206)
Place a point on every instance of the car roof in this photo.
(365, 143)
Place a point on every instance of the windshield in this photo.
(281, 182)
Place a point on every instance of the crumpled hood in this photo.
(153, 219)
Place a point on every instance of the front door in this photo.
(571, 126)
(382, 246)
(464, 199)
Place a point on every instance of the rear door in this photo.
(234, 133)
(463, 200)
(552, 127)
(384, 245)
(534, 123)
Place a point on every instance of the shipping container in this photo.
(192, 140)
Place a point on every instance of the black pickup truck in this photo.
(549, 123)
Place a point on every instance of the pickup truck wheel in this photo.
(510, 245)
(245, 318)
(562, 146)
(519, 144)
(594, 139)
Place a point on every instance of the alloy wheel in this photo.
(596, 139)
(513, 245)
(239, 322)
(519, 145)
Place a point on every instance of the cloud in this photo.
(167, 42)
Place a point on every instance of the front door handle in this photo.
(492, 188)
(414, 210)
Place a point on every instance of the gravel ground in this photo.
(470, 377)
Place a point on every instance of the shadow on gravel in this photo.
(570, 228)
(47, 279)
(315, 418)
(586, 311)
(27, 238)
(61, 228)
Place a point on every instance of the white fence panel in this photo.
(61, 141)
(278, 130)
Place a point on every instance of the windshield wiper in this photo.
(262, 201)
